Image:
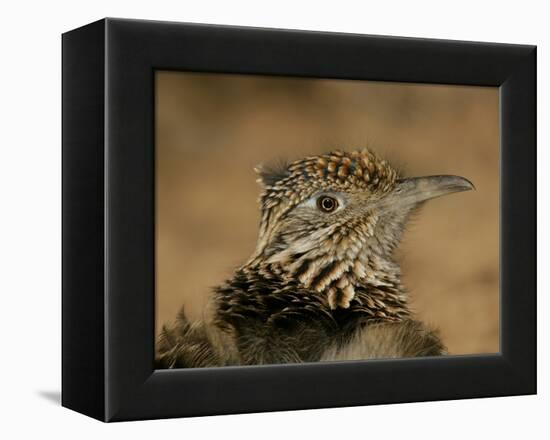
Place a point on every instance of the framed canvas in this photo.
(185, 295)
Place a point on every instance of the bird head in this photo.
(332, 222)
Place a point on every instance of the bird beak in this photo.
(414, 190)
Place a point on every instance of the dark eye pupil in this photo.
(327, 204)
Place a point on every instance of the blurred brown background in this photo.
(212, 129)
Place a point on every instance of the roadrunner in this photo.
(322, 283)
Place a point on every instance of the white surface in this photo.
(30, 217)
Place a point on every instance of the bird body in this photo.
(322, 283)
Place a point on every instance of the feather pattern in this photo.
(322, 284)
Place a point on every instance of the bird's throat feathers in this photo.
(273, 294)
(333, 261)
(339, 275)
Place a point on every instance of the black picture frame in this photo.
(108, 219)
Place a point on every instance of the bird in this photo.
(323, 283)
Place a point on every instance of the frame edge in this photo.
(83, 98)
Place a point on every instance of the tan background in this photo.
(213, 129)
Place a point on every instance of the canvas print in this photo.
(319, 220)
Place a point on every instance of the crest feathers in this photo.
(269, 175)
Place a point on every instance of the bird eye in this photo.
(327, 204)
